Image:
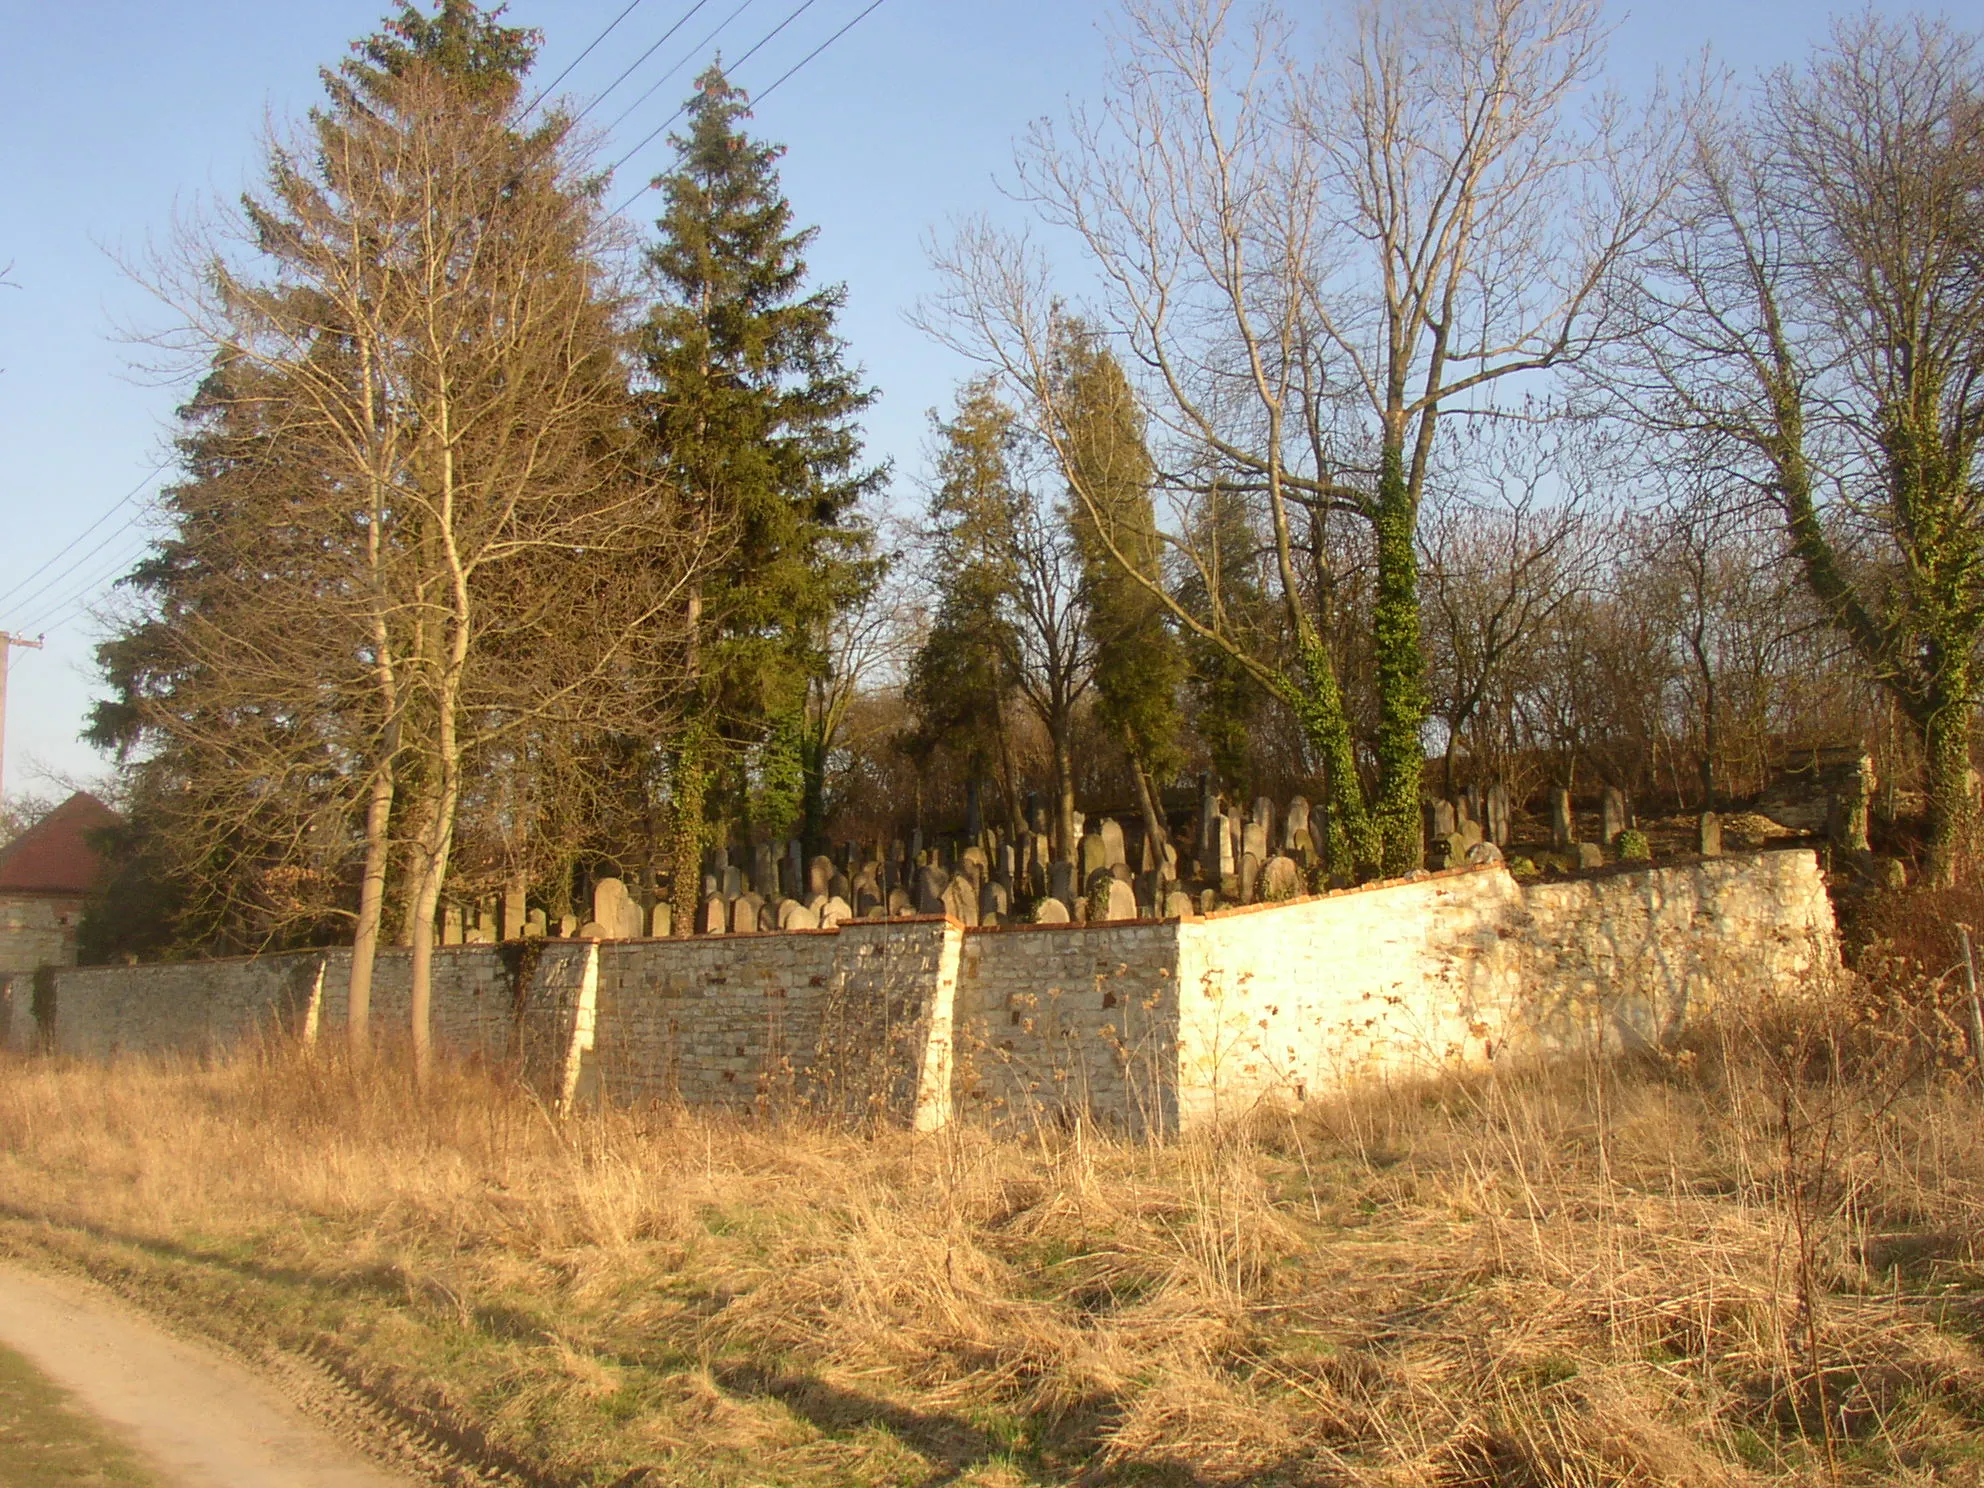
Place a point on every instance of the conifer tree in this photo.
(752, 416)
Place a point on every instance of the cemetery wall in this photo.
(1150, 1025)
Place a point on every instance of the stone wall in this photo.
(1149, 1026)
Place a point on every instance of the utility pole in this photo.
(7, 644)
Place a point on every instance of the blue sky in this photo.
(115, 115)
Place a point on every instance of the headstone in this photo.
(1178, 906)
(1208, 901)
(1061, 882)
(485, 922)
(974, 864)
(661, 924)
(516, 915)
(733, 881)
(1111, 832)
(1250, 878)
(1483, 852)
(1708, 835)
(834, 911)
(1006, 866)
(1563, 825)
(839, 888)
(480, 934)
(1224, 863)
(1468, 808)
(792, 915)
(612, 908)
(1591, 855)
(1122, 901)
(593, 930)
(1456, 846)
(994, 903)
(931, 881)
(712, 884)
(764, 870)
(715, 919)
(1050, 911)
(819, 876)
(451, 924)
(1264, 818)
(1254, 840)
(568, 926)
(1093, 855)
(1296, 821)
(1036, 813)
(1209, 819)
(1439, 819)
(1470, 831)
(1611, 814)
(961, 900)
(1280, 879)
(792, 879)
(868, 897)
(744, 913)
(900, 903)
(535, 925)
(1497, 803)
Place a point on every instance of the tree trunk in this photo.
(1155, 830)
(1064, 787)
(685, 852)
(1952, 810)
(1400, 676)
(371, 909)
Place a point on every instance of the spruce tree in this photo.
(753, 415)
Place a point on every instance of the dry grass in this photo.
(1751, 1262)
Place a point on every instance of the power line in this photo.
(767, 93)
(544, 92)
(62, 611)
(601, 95)
(38, 594)
(687, 57)
(57, 556)
(649, 138)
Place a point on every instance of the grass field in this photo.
(1751, 1260)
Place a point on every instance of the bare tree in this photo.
(1314, 266)
(1817, 325)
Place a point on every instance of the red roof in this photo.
(54, 856)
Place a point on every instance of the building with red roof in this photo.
(45, 875)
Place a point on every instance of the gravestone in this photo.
(1007, 865)
(764, 870)
(1563, 824)
(744, 913)
(1111, 832)
(961, 900)
(535, 926)
(1436, 819)
(1209, 828)
(1208, 901)
(819, 876)
(1254, 841)
(661, 924)
(1280, 879)
(792, 915)
(1178, 906)
(1708, 835)
(1296, 821)
(1050, 911)
(733, 881)
(839, 888)
(1250, 877)
(1264, 818)
(568, 926)
(1061, 882)
(593, 930)
(931, 881)
(1497, 803)
(1612, 815)
(899, 903)
(792, 873)
(451, 925)
(974, 865)
(834, 911)
(715, 918)
(485, 921)
(1483, 852)
(613, 909)
(1590, 855)
(1093, 855)
(480, 935)
(1122, 901)
(516, 915)
(994, 903)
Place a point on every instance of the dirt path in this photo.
(201, 1418)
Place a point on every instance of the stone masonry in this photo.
(1146, 1025)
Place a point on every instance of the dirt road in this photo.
(200, 1418)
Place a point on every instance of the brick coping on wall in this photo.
(1604, 870)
